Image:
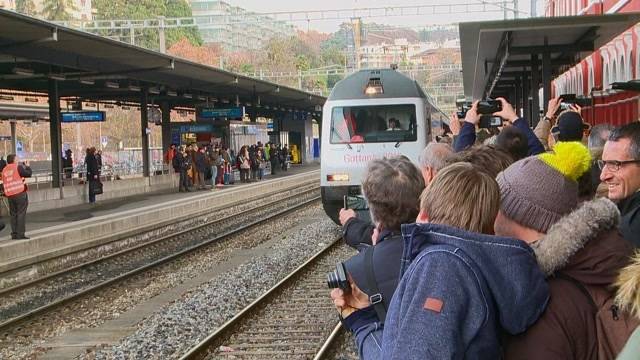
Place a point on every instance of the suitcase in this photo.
(231, 177)
(226, 178)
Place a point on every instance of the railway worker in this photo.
(15, 190)
(577, 247)
(620, 166)
(461, 288)
(399, 176)
(358, 231)
(394, 125)
(467, 136)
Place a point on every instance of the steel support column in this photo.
(55, 132)
(165, 108)
(546, 79)
(535, 86)
(526, 109)
(14, 140)
(517, 101)
(144, 126)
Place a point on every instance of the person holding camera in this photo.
(497, 108)
(364, 284)
(15, 190)
(461, 288)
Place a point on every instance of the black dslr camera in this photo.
(338, 278)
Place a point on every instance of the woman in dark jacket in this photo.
(201, 167)
(93, 173)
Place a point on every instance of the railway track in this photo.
(294, 319)
(54, 290)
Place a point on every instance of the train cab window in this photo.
(373, 124)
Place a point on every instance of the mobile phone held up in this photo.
(489, 106)
(488, 121)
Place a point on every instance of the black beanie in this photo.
(570, 126)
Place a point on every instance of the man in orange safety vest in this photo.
(15, 190)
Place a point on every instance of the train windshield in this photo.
(373, 124)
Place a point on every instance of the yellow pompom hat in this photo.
(539, 190)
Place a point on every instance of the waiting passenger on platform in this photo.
(467, 136)
(170, 155)
(243, 164)
(597, 138)
(358, 231)
(15, 190)
(486, 158)
(512, 140)
(461, 289)
(577, 247)
(67, 164)
(201, 167)
(620, 166)
(374, 271)
(93, 173)
(182, 162)
(284, 157)
(274, 155)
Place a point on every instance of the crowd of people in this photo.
(212, 165)
(522, 244)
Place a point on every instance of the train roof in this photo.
(394, 83)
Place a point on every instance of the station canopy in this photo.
(494, 53)
(94, 68)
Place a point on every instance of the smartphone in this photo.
(487, 122)
(489, 106)
(461, 114)
(345, 203)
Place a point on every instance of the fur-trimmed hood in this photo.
(628, 287)
(571, 233)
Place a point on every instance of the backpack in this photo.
(613, 326)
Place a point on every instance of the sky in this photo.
(332, 25)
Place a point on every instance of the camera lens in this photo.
(332, 280)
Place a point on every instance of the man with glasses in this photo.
(620, 166)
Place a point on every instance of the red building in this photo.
(618, 61)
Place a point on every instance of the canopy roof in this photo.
(92, 67)
(494, 53)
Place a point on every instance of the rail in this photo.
(30, 313)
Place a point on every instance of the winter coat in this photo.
(201, 162)
(93, 170)
(357, 232)
(630, 218)
(459, 292)
(628, 299)
(181, 162)
(586, 246)
(467, 137)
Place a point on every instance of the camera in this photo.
(487, 121)
(489, 106)
(338, 278)
(461, 114)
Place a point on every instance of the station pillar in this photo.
(14, 140)
(55, 131)
(165, 108)
(144, 126)
(526, 108)
(535, 87)
(546, 78)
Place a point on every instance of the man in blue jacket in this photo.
(460, 289)
(467, 136)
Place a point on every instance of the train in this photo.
(370, 114)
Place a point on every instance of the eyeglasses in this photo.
(615, 165)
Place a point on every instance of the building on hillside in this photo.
(400, 51)
(251, 31)
(618, 61)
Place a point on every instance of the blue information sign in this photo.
(218, 113)
(194, 128)
(82, 116)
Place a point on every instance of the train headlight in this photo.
(338, 177)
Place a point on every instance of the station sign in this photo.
(82, 116)
(193, 128)
(205, 112)
(5, 137)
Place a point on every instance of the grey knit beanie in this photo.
(539, 190)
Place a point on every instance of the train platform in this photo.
(56, 232)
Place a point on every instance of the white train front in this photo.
(370, 114)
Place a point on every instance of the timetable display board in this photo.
(82, 116)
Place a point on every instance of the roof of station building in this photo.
(88, 65)
(494, 53)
